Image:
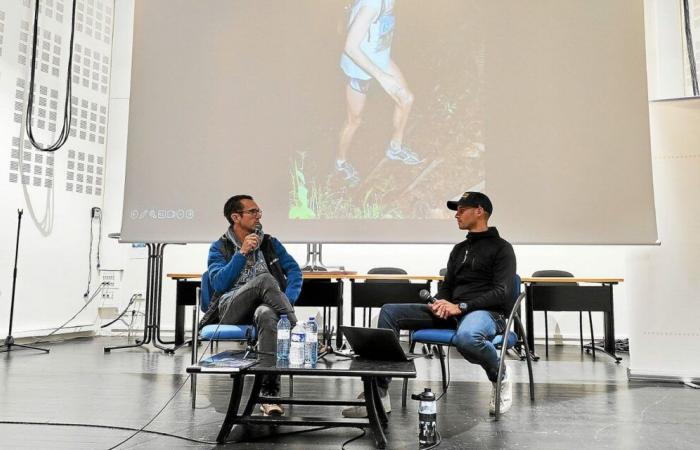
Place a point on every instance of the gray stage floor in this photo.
(580, 404)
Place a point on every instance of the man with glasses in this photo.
(475, 297)
(254, 279)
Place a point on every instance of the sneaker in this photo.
(358, 412)
(403, 154)
(271, 409)
(506, 399)
(351, 174)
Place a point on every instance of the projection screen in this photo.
(356, 120)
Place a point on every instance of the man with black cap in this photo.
(475, 297)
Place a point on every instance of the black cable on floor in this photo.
(364, 431)
(289, 433)
(109, 427)
(143, 428)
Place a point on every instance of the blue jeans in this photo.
(475, 331)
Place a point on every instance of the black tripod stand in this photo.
(9, 340)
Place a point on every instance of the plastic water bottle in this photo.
(311, 346)
(283, 331)
(296, 346)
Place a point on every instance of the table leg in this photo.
(381, 413)
(339, 317)
(254, 395)
(530, 326)
(179, 323)
(370, 404)
(233, 404)
(609, 325)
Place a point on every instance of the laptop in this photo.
(379, 344)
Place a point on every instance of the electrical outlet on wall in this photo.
(112, 277)
(111, 282)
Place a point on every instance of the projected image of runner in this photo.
(367, 57)
(411, 125)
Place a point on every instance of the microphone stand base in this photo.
(10, 342)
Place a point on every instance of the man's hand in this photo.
(444, 309)
(250, 243)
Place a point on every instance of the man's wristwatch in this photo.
(463, 308)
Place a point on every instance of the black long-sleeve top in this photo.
(481, 273)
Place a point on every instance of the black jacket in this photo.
(481, 273)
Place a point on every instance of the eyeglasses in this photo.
(253, 212)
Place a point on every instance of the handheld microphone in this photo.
(259, 233)
(424, 295)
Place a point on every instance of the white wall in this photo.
(666, 282)
(53, 258)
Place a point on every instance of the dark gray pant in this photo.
(260, 301)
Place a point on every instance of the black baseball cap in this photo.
(474, 199)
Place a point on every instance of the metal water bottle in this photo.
(427, 417)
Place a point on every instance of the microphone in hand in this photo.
(424, 295)
(259, 233)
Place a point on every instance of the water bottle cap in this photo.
(283, 316)
(312, 318)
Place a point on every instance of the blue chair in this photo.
(443, 336)
(213, 332)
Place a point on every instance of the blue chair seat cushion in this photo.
(444, 336)
(218, 332)
(440, 336)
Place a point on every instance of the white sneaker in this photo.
(351, 174)
(403, 154)
(358, 412)
(506, 399)
(271, 409)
